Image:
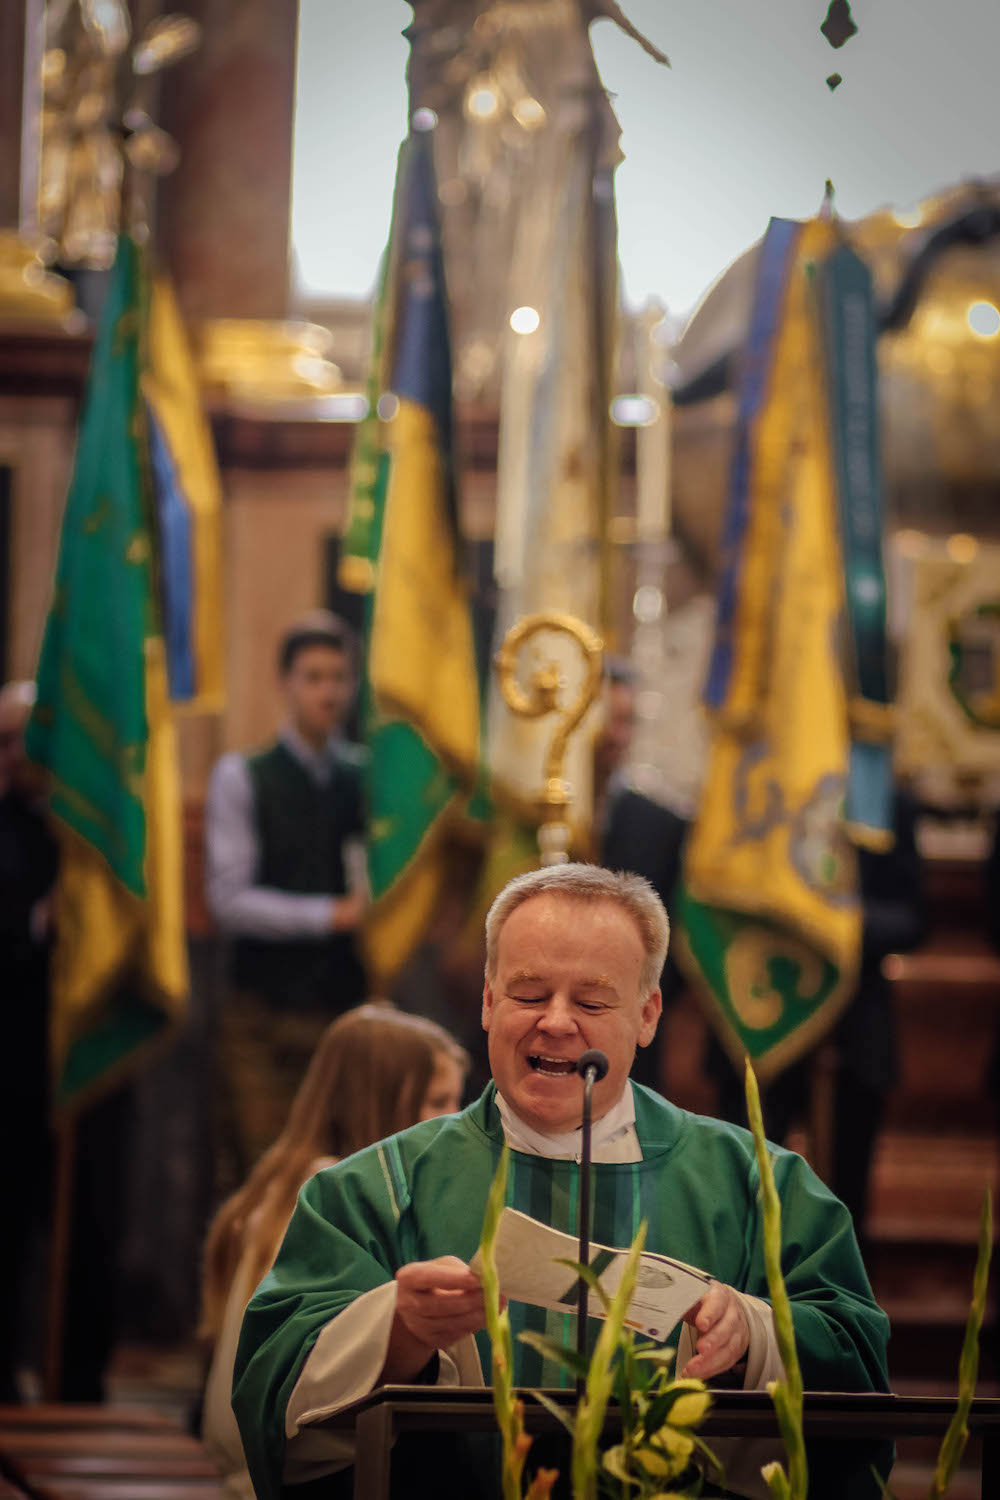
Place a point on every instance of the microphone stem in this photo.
(590, 1077)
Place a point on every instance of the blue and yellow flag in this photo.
(422, 699)
(770, 919)
(101, 727)
(188, 499)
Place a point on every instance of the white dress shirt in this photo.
(241, 907)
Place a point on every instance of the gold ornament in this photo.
(543, 695)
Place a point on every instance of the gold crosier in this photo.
(542, 695)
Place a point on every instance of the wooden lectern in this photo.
(377, 1419)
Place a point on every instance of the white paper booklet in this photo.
(526, 1255)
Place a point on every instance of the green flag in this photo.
(101, 728)
(421, 706)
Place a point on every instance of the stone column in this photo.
(14, 21)
(223, 215)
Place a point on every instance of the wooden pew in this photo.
(56, 1452)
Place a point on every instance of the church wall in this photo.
(275, 529)
(36, 443)
(223, 218)
(12, 19)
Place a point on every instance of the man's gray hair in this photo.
(588, 884)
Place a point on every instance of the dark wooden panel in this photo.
(12, 17)
(39, 360)
(6, 503)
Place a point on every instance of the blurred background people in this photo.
(633, 831)
(28, 870)
(376, 1071)
(28, 862)
(284, 834)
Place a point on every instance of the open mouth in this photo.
(552, 1067)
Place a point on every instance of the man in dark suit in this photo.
(632, 830)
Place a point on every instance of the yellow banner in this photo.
(769, 842)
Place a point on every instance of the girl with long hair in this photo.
(376, 1071)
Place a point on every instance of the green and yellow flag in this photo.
(769, 919)
(421, 692)
(101, 728)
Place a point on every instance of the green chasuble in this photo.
(422, 1194)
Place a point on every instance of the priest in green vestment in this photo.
(372, 1282)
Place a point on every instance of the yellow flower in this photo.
(655, 1463)
(614, 1461)
(689, 1409)
(671, 1455)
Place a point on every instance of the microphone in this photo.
(594, 1062)
(592, 1067)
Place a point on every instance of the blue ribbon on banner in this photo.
(847, 311)
(176, 570)
(776, 252)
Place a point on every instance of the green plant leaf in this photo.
(553, 1407)
(590, 1413)
(588, 1275)
(614, 1461)
(690, 1406)
(662, 1465)
(621, 1389)
(887, 1493)
(683, 1403)
(957, 1436)
(786, 1394)
(713, 1461)
(561, 1353)
(670, 1495)
(777, 1481)
(656, 1413)
(495, 1205)
(674, 1445)
(638, 1376)
(657, 1355)
(507, 1408)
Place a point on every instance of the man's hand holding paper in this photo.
(723, 1332)
(438, 1302)
(531, 1267)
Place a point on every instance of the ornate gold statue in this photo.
(543, 695)
(96, 98)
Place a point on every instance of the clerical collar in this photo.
(521, 1137)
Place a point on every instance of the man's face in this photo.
(567, 979)
(318, 688)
